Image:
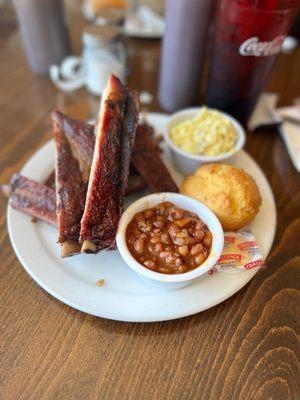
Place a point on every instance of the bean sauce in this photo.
(168, 239)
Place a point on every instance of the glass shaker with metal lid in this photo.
(103, 54)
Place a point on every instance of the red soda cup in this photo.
(247, 37)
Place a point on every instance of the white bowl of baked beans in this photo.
(169, 239)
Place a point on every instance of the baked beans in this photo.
(168, 239)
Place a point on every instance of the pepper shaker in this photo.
(44, 32)
(184, 44)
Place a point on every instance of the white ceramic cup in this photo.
(187, 163)
(171, 281)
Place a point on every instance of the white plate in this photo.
(125, 297)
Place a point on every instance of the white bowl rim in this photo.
(198, 157)
(217, 243)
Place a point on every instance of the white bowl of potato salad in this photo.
(201, 135)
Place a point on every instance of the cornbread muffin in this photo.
(228, 191)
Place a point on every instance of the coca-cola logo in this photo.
(254, 47)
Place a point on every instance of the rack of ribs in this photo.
(38, 200)
(92, 174)
(118, 119)
(32, 198)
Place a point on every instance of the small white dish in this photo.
(171, 281)
(186, 162)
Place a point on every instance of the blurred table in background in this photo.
(244, 348)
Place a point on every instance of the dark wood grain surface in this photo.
(245, 348)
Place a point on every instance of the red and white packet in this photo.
(240, 253)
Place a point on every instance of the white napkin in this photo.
(287, 119)
(290, 132)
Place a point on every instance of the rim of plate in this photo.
(193, 308)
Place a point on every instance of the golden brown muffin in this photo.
(228, 191)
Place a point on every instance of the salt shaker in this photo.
(103, 54)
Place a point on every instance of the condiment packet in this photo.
(240, 253)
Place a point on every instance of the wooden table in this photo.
(245, 348)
